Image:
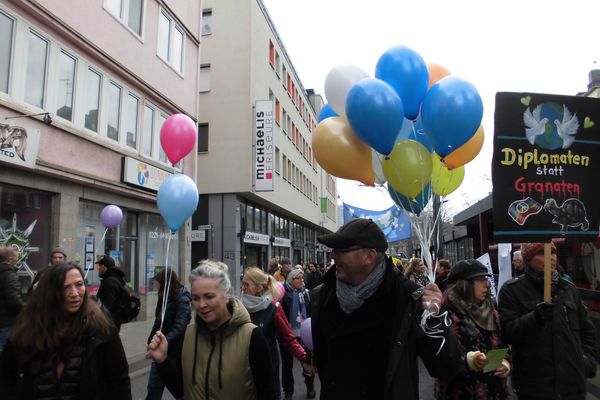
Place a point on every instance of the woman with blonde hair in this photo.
(416, 271)
(259, 295)
(224, 355)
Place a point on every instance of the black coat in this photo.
(10, 296)
(104, 373)
(177, 317)
(372, 352)
(112, 282)
(549, 360)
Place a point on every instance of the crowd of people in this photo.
(372, 318)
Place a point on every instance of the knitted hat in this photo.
(467, 269)
(58, 249)
(293, 274)
(358, 233)
(530, 250)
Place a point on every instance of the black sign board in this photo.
(545, 168)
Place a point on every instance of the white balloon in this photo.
(338, 83)
(376, 159)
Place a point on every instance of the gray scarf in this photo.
(256, 303)
(352, 298)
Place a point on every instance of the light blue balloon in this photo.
(418, 134)
(326, 112)
(406, 71)
(451, 114)
(375, 113)
(413, 206)
(177, 200)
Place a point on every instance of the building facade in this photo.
(84, 90)
(263, 195)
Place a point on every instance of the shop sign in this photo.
(19, 144)
(544, 169)
(138, 173)
(263, 146)
(282, 242)
(198, 236)
(256, 238)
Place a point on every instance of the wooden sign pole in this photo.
(547, 272)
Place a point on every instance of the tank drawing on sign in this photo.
(570, 214)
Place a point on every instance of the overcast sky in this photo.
(521, 46)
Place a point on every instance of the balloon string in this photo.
(94, 255)
(166, 285)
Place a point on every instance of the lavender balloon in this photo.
(306, 333)
(111, 216)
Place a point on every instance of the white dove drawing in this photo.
(567, 128)
(534, 126)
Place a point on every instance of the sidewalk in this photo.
(134, 336)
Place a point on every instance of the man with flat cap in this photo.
(112, 279)
(366, 322)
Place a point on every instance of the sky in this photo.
(519, 46)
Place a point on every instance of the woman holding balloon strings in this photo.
(224, 355)
(296, 306)
(416, 271)
(260, 295)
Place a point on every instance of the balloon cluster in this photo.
(177, 197)
(413, 125)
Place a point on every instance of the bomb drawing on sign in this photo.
(570, 214)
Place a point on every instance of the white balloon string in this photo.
(434, 325)
(166, 285)
(87, 270)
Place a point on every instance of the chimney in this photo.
(594, 79)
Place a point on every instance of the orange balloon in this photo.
(340, 152)
(436, 72)
(467, 152)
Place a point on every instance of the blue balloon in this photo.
(375, 113)
(406, 71)
(451, 114)
(418, 134)
(413, 206)
(326, 112)
(177, 200)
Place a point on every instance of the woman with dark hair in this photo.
(178, 314)
(63, 346)
(475, 323)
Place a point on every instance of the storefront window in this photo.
(159, 239)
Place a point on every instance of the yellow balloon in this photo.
(444, 181)
(467, 152)
(340, 152)
(408, 167)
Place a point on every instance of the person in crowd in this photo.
(296, 306)
(286, 267)
(258, 293)
(63, 346)
(476, 324)
(273, 266)
(553, 344)
(58, 255)
(10, 292)
(518, 264)
(178, 314)
(416, 271)
(441, 274)
(224, 355)
(370, 323)
(313, 277)
(112, 279)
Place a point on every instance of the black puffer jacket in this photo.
(96, 369)
(552, 360)
(177, 318)
(113, 280)
(10, 296)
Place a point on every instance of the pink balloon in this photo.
(178, 137)
(281, 287)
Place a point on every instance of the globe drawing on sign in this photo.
(550, 126)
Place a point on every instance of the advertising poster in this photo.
(545, 167)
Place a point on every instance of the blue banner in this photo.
(393, 221)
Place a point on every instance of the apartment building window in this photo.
(277, 62)
(277, 162)
(37, 56)
(271, 54)
(93, 80)
(284, 74)
(132, 120)
(129, 12)
(162, 156)
(284, 167)
(284, 127)
(6, 37)
(170, 41)
(113, 111)
(204, 78)
(66, 86)
(202, 138)
(147, 137)
(289, 170)
(277, 112)
(206, 22)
